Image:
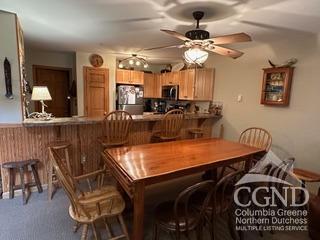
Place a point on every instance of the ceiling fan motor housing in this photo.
(198, 34)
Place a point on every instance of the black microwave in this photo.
(170, 92)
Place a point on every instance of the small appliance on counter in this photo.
(170, 92)
(130, 99)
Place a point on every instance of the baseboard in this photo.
(18, 192)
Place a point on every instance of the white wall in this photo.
(48, 58)
(82, 59)
(10, 109)
(295, 128)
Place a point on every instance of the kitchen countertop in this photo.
(90, 120)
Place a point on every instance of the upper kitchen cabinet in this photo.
(196, 84)
(137, 77)
(152, 85)
(186, 84)
(124, 76)
(170, 78)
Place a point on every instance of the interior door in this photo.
(57, 80)
(96, 91)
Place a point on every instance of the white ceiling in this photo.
(130, 25)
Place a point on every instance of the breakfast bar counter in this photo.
(30, 139)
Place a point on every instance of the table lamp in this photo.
(41, 93)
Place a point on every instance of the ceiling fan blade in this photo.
(164, 47)
(176, 34)
(232, 38)
(225, 51)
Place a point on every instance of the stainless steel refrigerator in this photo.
(130, 99)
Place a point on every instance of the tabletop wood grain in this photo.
(151, 160)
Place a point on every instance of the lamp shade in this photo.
(40, 93)
(195, 55)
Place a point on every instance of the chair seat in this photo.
(306, 175)
(158, 134)
(195, 131)
(165, 217)
(59, 144)
(221, 206)
(20, 164)
(107, 207)
(106, 144)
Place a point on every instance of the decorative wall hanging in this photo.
(7, 77)
(288, 63)
(276, 86)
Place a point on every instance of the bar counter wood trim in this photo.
(19, 142)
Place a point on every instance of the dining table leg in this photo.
(138, 211)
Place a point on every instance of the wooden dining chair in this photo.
(116, 129)
(220, 203)
(256, 137)
(87, 207)
(170, 126)
(180, 217)
(63, 148)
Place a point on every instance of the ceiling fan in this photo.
(198, 42)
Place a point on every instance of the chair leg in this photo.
(94, 230)
(107, 227)
(36, 178)
(155, 232)
(23, 186)
(12, 182)
(123, 226)
(76, 227)
(84, 232)
(50, 183)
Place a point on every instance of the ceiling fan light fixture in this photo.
(138, 63)
(120, 65)
(195, 56)
(131, 61)
(146, 65)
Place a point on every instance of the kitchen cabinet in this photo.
(124, 76)
(196, 84)
(170, 78)
(152, 85)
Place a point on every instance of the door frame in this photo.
(35, 80)
(85, 94)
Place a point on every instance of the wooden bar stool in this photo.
(63, 148)
(170, 126)
(22, 167)
(116, 129)
(196, 132)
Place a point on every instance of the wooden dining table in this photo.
(135, 167)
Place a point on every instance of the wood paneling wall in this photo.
(19, 143)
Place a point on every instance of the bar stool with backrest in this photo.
(86, 207)
(116, 129)
(170, 126)
(63, 148)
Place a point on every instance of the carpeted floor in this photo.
(44, 220)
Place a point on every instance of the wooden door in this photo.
(57, 80)
(96, 91)
(123, 76)
(204, 81)
(149, 85)
(186, 84)
(136, 77)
